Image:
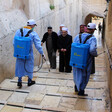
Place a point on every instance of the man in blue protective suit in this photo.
(25, 67)
(81, 76)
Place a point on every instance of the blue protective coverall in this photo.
(29, 65)
(81, 76)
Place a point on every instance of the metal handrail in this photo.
(109, 57)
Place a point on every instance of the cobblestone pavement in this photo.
(54, 92)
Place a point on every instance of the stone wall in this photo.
(15, 13)
(108, 38)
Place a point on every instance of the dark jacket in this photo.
(54, 39)
(64, 42)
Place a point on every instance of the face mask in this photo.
(32, 29)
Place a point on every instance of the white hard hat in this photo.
(91, 26)
(31, 22)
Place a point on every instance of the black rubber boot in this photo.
(82, 93)
(75, 88)
(19, 84)
(31, 83)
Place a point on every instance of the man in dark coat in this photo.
(50, 38)
(64, 47)
(99, 27)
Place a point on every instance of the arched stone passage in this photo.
(88, 18)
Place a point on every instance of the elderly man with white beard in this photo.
(64, 48)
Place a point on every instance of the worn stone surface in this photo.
(83, 104)
(34, 98)
(17, 98)
(4, 95)
(6, 84)
(11, 109)
(1, 106)
(30, 110)
(68, 103)
(50, 101)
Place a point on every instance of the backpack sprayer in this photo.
(80, 53)
(22, 46)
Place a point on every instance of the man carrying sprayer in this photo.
(25, 67)
(83, 29)
(81, 76)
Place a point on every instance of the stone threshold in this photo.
(74, 96)
(51, 85)
(12, 90)
(56, 95)
(91, 80)
(35, 107)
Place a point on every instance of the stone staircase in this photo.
(54, 92)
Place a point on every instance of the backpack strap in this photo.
(28, 33)
(21, 30)
(80, 38)
(88, 37)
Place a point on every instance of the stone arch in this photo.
(90, 15)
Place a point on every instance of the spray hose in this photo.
(39, 68)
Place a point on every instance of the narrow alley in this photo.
(54, 91)
(51, 90)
